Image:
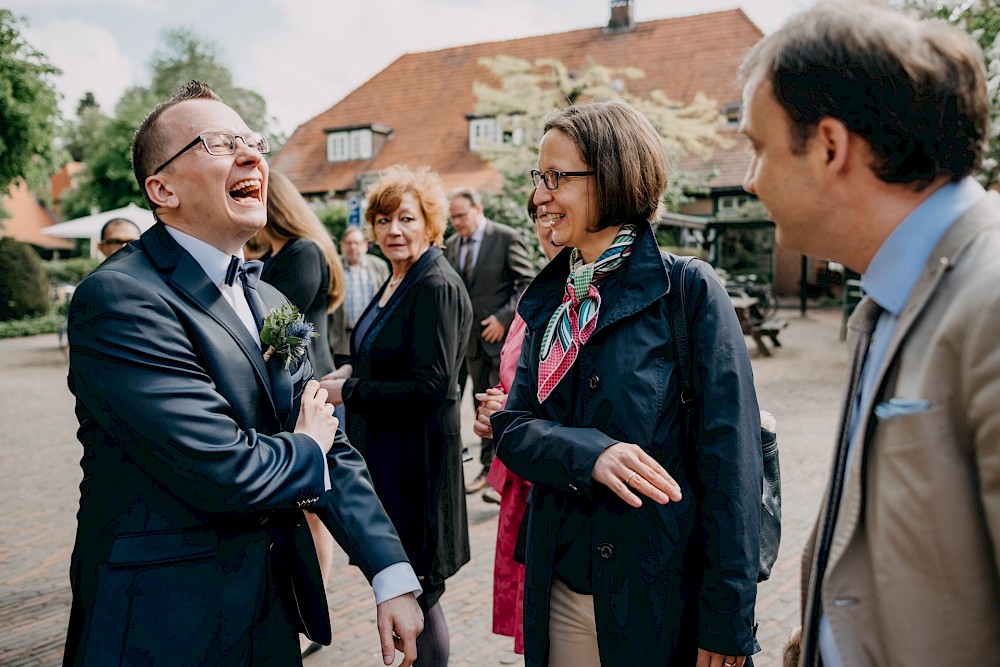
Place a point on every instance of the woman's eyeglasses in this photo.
(552, 177)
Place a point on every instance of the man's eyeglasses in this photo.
(219, 143)
(118, 242)
(551, 177)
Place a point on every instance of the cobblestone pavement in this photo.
(39, 456)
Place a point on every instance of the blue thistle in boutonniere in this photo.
(286, 333)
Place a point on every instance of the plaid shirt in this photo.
(360, 290)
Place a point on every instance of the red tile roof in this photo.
(27, 219)
(425, 97)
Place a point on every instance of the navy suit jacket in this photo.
(502, 271)
(190, 518)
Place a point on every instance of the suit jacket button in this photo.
(594, 382)
(606, 550)
(264, 519)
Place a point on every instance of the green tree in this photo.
(103, 143)
(528, 91)
(29, 111)
(981, 19)
(24, 289)
(82, 134)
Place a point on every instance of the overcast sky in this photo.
(305, 55)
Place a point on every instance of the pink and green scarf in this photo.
(576, 317)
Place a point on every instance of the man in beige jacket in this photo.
(866, 125)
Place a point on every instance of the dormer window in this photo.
(355, 143)
(731, 114)
(487, 131)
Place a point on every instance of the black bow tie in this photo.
(248, 272)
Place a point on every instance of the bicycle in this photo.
(747, 286)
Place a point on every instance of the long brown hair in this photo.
(289, 217)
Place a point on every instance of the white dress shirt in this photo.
(398, 578)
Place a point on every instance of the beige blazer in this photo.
(912, 576)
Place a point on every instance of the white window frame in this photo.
(337, 147)
(346, 145)
(486, 131)
(730, 202)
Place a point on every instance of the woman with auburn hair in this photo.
(301, 260)
(402, 396)
(642, 537)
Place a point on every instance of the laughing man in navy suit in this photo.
(199, 455)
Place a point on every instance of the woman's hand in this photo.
(342, 373)
(334, 388)
(627, 469)
(709, 659)
(489, 402)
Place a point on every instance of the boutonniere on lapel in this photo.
(286, 333)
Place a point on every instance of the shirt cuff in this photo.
(395, 580)
(326, 466)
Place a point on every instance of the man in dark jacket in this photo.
(199, 454)
(493, 262)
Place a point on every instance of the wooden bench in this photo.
(769, 328)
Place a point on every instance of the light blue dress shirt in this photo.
(891, 276)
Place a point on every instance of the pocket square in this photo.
(900, 407)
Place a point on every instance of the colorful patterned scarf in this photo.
(576, 317)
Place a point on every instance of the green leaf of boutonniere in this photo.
(286, 334)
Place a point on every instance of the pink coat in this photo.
(508, 575)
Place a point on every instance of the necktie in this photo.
(468, 264)
(243, 299)
(860, 328)
(248, 272)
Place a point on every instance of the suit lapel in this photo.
(280, 380)
(846, 519)
(944, 256)
(485, 257)
(187, 276)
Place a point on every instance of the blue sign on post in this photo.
(354, 210)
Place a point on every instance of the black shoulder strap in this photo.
(682, 341)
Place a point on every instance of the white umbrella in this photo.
(89, 227)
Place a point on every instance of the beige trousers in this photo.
(572, 629)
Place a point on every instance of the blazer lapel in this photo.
(848, 512)
(187, 276)
(280, 379)
(487, 252)
(945, 255)
(361, 349)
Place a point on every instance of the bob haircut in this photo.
(914, 90)
(289, 217)
(627, 154)
(424, 184)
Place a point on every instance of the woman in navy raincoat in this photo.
(642, 549)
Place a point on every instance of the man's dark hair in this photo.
(117, 221)
(149, 147)
(914, 90)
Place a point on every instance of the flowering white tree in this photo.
(528, 91)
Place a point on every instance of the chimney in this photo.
(621, 17)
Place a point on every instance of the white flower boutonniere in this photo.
(286, 333)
